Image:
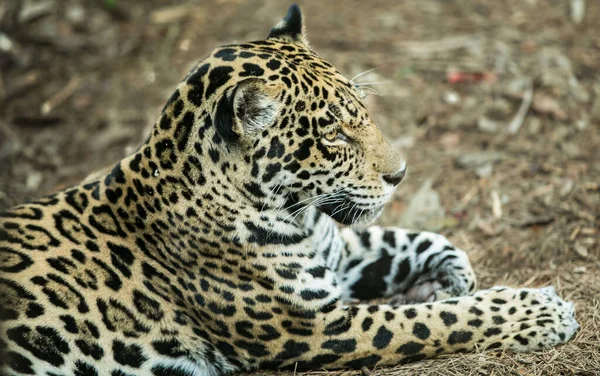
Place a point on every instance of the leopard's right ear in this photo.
(246, 109)
(291, 28)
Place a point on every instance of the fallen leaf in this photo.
(545, 104)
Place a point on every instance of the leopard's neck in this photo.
(197, 195)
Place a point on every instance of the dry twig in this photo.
(517, 121)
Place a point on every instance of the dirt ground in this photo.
(496, 106)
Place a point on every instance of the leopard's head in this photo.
(289, 129)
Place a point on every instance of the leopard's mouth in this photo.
(350, 212)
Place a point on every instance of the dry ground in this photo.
(495, 104)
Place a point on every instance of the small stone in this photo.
(450, 139)
(487, 125)
(424, 210)
(33, 10)
(478, 159)
(484, 171)
(581, 250)
(566, 188)
(5, 43)
(580, 270)
(75, 13)
(582, 123)
(452, 97)
(34, 179)
(577, 11)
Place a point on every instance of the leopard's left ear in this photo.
(246, 110)
(291, 28)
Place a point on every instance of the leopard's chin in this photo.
(350, 213)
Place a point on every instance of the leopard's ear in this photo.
(246, 110)
(291, 28)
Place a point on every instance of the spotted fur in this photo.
(213, 248)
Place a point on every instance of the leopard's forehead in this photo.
(293, 56)
(298, 70)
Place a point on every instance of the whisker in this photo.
(271, 194)
(318, 200)
(299, 203)
(326, 200)
(357, 214)
(306, 199)
(363, 73)
(350, 211)
(371, 83)
(371, 90)
(341, 207)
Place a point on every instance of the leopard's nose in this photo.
(396, 178)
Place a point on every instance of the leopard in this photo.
(239, 236)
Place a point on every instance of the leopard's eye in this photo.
(335, 138)
(331, 136)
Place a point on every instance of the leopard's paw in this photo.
(529, 319)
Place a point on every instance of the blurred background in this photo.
(495, 105)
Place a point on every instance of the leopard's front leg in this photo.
(365, 335)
